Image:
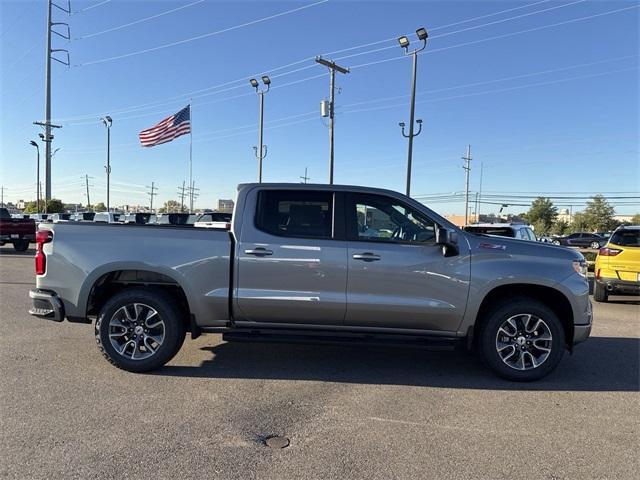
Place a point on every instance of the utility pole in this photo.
(404, 43)
(86, 180)
(260, 150)
(107, 123)
(48, 137)
(479, 194)
(331, 113)
(151, 194)
(192, 195)
(305, 178)
(2, 196)
(181, 192)
(467, 169)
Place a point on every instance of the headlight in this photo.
(580, 266)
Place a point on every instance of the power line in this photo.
(506, 35)
(205, 35)
(136, 22)
(92, 6)
(282, 67)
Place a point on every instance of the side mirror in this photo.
(448, 239)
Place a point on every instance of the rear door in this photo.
(291, 265)
(398, 277)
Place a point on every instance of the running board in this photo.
(331, 338)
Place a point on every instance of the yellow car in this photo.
(618, 265)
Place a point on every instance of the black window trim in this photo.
(337, 201)
(351, 223)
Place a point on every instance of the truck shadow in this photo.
(600, 364)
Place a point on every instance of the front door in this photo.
(397, 276)
(291, 263)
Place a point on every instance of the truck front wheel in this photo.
(139, 329)
(521, 340)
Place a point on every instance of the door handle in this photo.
(259, 252)
(366, 257)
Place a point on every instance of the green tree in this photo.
(561, 227)
(580, 222)
(170, 206)
(100, 207)
(53, 206)
(31, 207)
(599, 214)
(635, 220)
(542, 215)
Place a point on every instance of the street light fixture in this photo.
(260, 150)
(35, 144)
(107, 123)
(404, 43)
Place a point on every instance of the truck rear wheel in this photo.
(521, 340)
(139, 329)
(21, 245)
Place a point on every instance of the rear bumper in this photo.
(615, 286)
(8, 238)
(46, 304)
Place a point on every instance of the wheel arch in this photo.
(549, 296)
(104, 284)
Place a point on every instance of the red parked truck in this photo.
(18, 231)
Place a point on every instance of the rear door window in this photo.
(295, 213)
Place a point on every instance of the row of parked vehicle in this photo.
(525, 232)
(139, 218)
(20, 230)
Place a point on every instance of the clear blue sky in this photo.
(567, 122)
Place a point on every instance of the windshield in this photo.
(626, 238)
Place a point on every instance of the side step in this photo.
(331, 338)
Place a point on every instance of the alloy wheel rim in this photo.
(524, 341)
(136, 331)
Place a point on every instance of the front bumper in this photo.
(615, 286)
(581, 331)
(46, 304)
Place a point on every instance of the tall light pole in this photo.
(260, 150)
(333, 66)
(404, 43)
(107, 123)
(37, 174)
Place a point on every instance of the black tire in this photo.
(600, 293)
(174, 328)
(21, 245)
(492, 322)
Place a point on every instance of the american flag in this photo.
(168, 129)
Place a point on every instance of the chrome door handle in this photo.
(366, 257)
(259, 252)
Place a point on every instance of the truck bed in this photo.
(198, 259)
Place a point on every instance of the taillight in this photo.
(609, 252)
(42, 237)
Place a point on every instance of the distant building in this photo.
(623, 218)
(225, 206)
(458, 220)
(21, 204)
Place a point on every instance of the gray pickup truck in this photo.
(315, 263)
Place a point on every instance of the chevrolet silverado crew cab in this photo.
(315, 262)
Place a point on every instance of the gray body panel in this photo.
(310, 283)
(196, 259)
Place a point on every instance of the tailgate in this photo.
(17, 226)
(627, 263)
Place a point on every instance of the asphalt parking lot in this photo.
(349, 412)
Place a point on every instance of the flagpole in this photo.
(190, 157)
